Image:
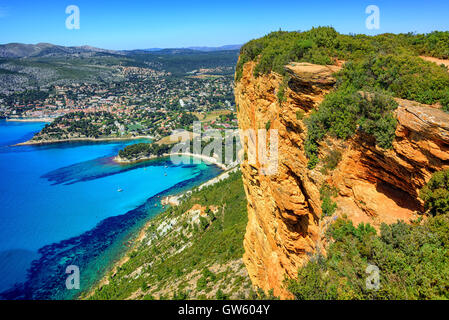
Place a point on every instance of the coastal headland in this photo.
(36, 142)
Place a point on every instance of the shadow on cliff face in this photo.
(301, 227)
(401, 198)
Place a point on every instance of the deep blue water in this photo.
(59, 206)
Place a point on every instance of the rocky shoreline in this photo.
(35, 142)
(29, 119)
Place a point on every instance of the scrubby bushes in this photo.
(412, 259)
(436, 193)
(300, 114)
(445, 101)
(345, 111)
(404, 76)
(412, 262)
(281, 91)
(206, 277)
(435, 44)
(323, 45)
(328, 206)
(331, 161)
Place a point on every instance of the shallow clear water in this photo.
(59, 206)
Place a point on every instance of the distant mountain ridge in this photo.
(222, 48)
(204, 49)
(20, 50)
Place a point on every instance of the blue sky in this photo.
(136, 24)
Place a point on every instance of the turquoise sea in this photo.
(60, 206)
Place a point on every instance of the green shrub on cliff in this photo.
(331, 161)
(328, 206)
(281, 90)
(445, 102)
(404, 76)
(345, 111)
(412, 262)
(436, 193)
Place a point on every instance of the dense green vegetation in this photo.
(186, 257)
(323, 45)
(144, 150)
(436, 193)
(277, 49)
(435, 44)
(77, 123)
(403, 76)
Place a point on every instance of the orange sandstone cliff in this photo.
(285, 223)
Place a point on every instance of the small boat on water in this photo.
(119, 190)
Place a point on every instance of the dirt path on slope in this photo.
(436, 60)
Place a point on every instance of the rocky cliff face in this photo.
(374, 185)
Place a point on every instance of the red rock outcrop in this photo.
(374, 185)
